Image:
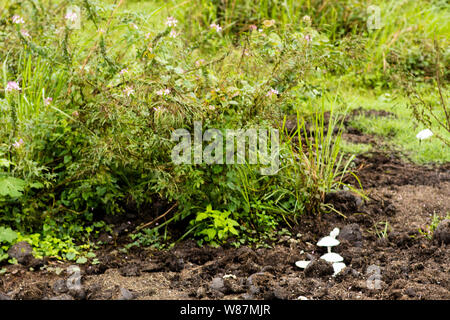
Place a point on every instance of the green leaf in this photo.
(12, 187)
(201, 216)
(81, 260)
(210, 233)
(5, 163)
(7, 235)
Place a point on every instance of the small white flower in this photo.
(171, 22)
(101, 30)
(424, 134)
(134, 26)
(128, 91)
(17, 19)
(307, 20)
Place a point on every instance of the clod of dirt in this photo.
(319, 268)
(126, 294)
(442, 232)
(78, 293)
(344, 201)
(402, 240)
(60, 287)
(233, 286)
(130, 270)
(352, 234)
(4, 297)
(22, 252)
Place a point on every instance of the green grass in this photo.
(399, 131)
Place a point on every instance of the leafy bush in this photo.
(87, 120)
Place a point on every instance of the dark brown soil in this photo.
(386, 255)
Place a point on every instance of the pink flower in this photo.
(272, 92)
(12, 85)
(128, 91)
(163, 92)
(101, 31)
(308, 38)
(17, 19)
(71, 16)
(158, 109)
(75, 113)
(211, 107)
(48, 100)
(147, 35)
(252, 27)
(18, 144)
(200, 62)
(216, 26)
(173, 34)
(24, 33)
(123, 71)
(171, 22)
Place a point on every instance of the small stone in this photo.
(126, 294)
(442, 232)
(410, 292)
(22, 252)
(217, 284)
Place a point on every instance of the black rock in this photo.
(442, 232)
(345, 201)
